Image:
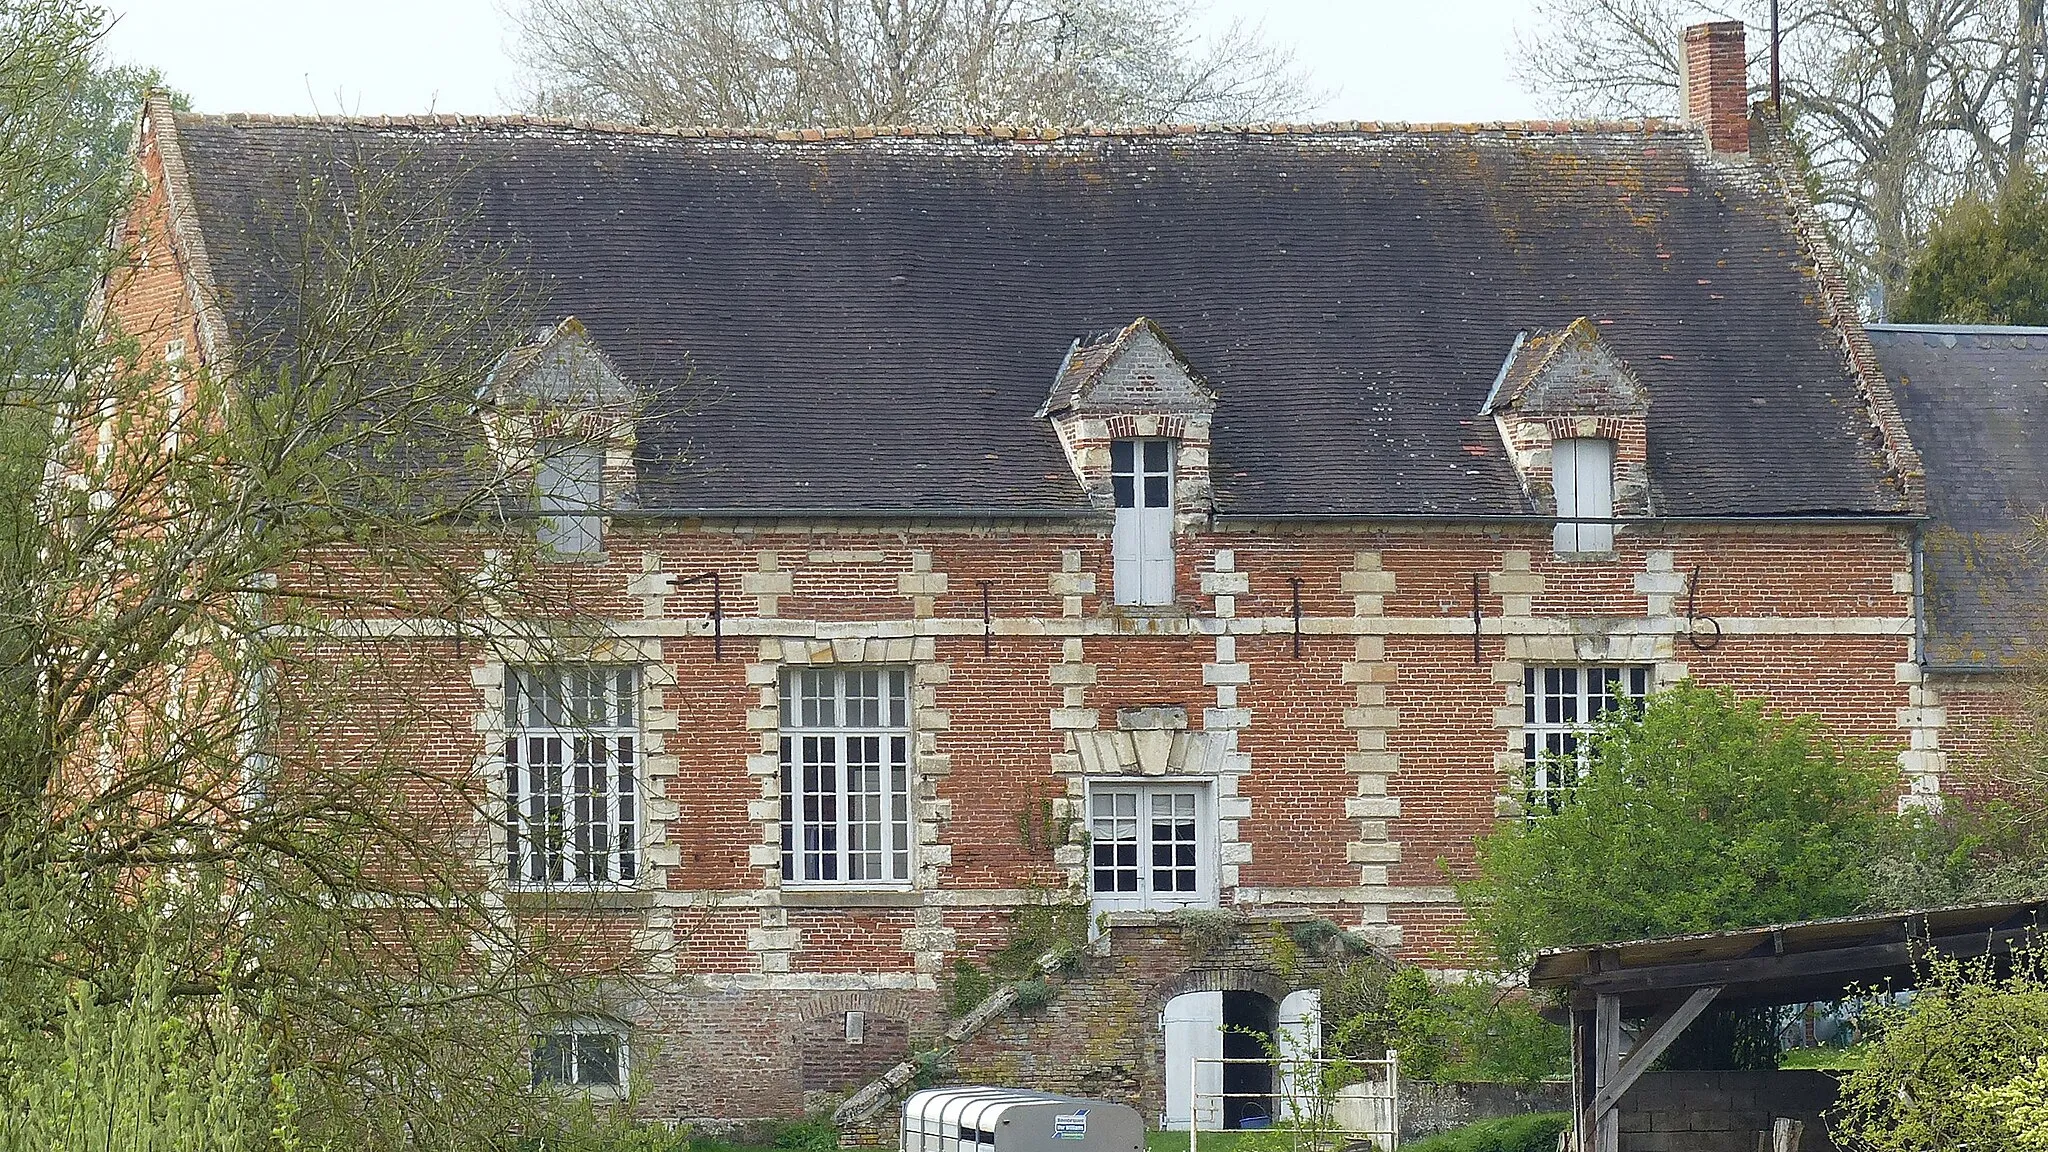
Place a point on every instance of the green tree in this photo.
(1696, 813)
(1985, 262)
(144, 1076)
(1472, 1029)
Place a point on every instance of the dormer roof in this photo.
(1134, 370)
(1568, 371)
(561, 368)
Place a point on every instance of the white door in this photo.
(1299, 1037)
(1193, 1023)
(1151, 846)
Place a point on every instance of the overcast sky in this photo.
(1377, 59)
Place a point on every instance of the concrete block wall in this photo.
(1724, 1111)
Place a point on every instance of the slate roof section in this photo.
(1975, 401)
(869, 321)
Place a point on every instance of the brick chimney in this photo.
(1715, 81)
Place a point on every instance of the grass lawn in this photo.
(1825, 1058)
(1262, 1140)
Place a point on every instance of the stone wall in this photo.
(1428, 1108)
(1723, 1111)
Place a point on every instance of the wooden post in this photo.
(1583, 1090)
(1785, 1135)
(1606, 1070)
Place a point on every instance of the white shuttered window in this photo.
(1141, 472)
(571, 751)
(1582, 472)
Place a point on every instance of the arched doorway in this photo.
(1249, 1020)
(1238, 1024)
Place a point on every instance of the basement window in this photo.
(846, 776)
(585, 1054)
(1582, 475)
(1141, 473)
(1560, 707)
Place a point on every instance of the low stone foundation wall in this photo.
(1723, 1111)
(1428, 1108)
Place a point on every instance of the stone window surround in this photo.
(657, 765)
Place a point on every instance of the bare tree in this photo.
(1900, 106)
(215, 566)
(811, 63)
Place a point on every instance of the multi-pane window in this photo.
(570, 480)
(846, 776)
(571, 750)
(1582, 474)
(1560, 707)
(580, 1056)
(1141, 473)
(1147, 845)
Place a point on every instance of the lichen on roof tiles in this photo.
(868, 317)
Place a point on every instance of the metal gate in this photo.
(1323, 1103)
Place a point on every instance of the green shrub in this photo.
(1536, 1132)
(1205, 930)
(1032, 995)
(968, 987)
(804, 1136)
(1471, 1030)
(1939, 1068)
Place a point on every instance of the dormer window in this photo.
(569, 480)
(1582, 475)
(1141, 476)
(1574, 420)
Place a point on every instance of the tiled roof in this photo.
(1976, 404)
(870, 318)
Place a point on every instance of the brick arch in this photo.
(878, 1002)
(827, 1062)
(1266, 983)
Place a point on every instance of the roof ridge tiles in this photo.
(1013, 132)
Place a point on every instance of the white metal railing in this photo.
(1324, 1102)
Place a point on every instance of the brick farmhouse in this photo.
(1138, 520)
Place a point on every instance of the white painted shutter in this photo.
(570, 477)
(1193, 1023)
(1596, 493)
(1299, 1037)
(1127, 551)
(1155, 529)
(1564, 478)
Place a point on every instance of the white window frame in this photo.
(1124, 844)
(1582, 476)
(569, 483)
(1141, 542)
(572, 788)
(1561, 705)
(844, 828)
(571, 1035)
